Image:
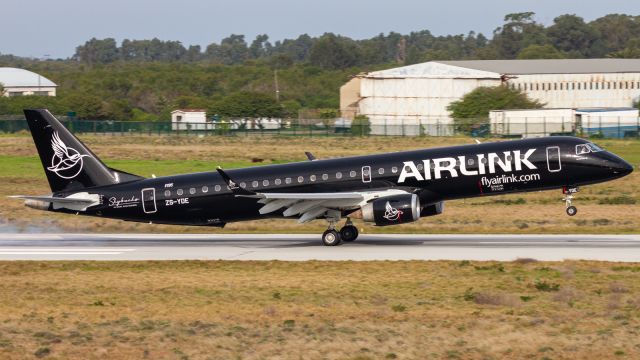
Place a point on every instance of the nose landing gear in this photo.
(568, 192)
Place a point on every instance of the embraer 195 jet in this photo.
(385, 189)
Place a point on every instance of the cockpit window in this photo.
(587, 148)
(582, 149)
(594, 147)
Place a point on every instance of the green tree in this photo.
(334, 52)
(473, 109)
(614, 31)
(519, 31)
(248, 104)
(570, 34)
(540, 52)
(632, 51)
(97, 51)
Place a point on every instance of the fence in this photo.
(620, 128)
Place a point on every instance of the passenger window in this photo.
(352, 173)
(300, 179)
(254, 184)
(205, 189)
(278, 182)
(325, 177)
(180, 192)
(217, 188)
(167, 193)
(420, 167)
(394, 169)
(192, 191)
(312, 178)
(470, 162)
(265, 182)
(287, 181)
(338, 175)
(243, 185)
(381, 171)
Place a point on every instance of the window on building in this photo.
(179, 118)
(16, 93)
(41, 93)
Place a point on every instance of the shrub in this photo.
(543, 285)
(361, 126)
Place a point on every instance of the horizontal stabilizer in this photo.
(78, 201)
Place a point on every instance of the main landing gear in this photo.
(332, 237)
(568, 192)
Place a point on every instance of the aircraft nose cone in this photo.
(625, 168)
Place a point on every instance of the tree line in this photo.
(146, 79)
(520, 37)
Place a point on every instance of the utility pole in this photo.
(275, 78)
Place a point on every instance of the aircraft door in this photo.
(366, 174)
(149, 200)
(553, 159)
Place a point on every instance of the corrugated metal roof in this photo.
(13, 77)
(432, 70)
(557, 66)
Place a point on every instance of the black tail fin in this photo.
(68, 163)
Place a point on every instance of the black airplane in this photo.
(385, 189)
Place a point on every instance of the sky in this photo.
(45, 28)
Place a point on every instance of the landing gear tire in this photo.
(349, 233)
(331, 238)
(572, 210)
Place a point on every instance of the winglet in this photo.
(310, 156)
(232, 185)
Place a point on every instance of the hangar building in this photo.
(416, 96)
(20, 82)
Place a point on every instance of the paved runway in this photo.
(309, 247)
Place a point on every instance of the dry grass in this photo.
(601, 209)
(316, 310)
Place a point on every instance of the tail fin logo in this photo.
(66, 161)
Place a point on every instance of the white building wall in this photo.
(580, 90)
(25, 91)
(189, 120)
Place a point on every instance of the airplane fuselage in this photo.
(435, 175)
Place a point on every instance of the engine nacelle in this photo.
(392, 210)
(432, 209)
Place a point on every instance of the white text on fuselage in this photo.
(507, 161)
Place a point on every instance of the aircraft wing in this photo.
(310, 206)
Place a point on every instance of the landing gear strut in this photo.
(349, 232)
(568, 192)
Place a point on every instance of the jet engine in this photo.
(392, 210)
